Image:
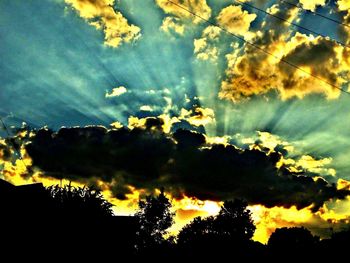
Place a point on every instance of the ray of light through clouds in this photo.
(153, 67)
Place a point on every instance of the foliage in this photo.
(292, 238)
(233, 223)
(234, 220)
(154, 217)
(80, 201)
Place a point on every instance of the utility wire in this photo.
(291, 23)
(13, 145)
(259, 48)
(316, 13)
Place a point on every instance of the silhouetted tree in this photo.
(197, 233)
(234, 220)
(295, 241)
(79, 202)
(231, 229)
(154, 217)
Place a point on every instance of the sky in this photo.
(212, 100)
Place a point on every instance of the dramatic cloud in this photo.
(312, 4)
(179, 17)
(235, 20)
(255, 72)
(102, 15)
(116, 92)
(183, 162)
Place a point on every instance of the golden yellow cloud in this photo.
(179, 17)
(271, 141)
(173, 24)
(135, 122)
(344, 32)
(256, 73)
(310, 164)
(102, 15)
(307, 163)
(199, 7)
(116, 125)
(268, 219)
(204, 47)
(343, 184)
(312, 4)
(203, 51)
(321, 223)
(235, 20)
(198, 116)
(343, 5)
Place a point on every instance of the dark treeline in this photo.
(67, 222)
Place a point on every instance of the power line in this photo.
(13, 145)
(261, 49)
(316, 13)
(291, 23)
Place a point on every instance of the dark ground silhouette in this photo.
(61, 221)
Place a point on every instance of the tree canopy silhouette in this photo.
(297, 240)
(154, 217)
(233, 227)
(79, 202)
(234, 220)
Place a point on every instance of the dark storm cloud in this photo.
(183, 162)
